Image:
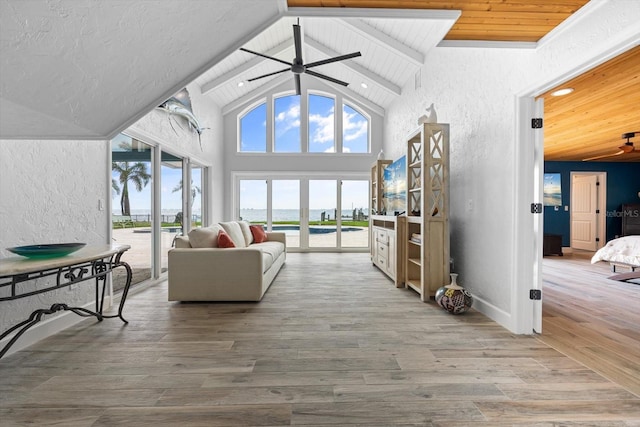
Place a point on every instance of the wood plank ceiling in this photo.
(493, 20)
(587, 123)
(590, 121)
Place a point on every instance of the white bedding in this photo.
(624, 250)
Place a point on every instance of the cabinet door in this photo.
(391, 256)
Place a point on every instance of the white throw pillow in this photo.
(235, 232)
(246, 231)
(205, 237)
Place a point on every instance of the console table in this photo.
(90, 262)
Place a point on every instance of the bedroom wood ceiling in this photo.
(492, 20)
(590, 121)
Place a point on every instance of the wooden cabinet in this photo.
(427, 229)
(385, 250)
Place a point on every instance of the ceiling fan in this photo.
(626, 148)
(298, 66)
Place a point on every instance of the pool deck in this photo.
(139, 256)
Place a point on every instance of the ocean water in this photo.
(255, 215)
(252, 215)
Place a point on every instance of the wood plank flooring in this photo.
(592, 319)
(332, 343)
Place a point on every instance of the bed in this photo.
(624, 252)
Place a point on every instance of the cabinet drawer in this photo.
(382, 236)
(383, 250)
(382, 262)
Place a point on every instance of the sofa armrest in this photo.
(277, 236)
(215, 274)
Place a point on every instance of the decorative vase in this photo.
(453, 297)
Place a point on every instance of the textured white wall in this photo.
(49, 193)
(473, 90)
(179, 139)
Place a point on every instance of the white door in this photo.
(584, 204)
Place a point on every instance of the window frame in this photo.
(338, 127)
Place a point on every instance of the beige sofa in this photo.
(199, 270)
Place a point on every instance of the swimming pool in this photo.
(314, 229)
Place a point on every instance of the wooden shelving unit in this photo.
(378, 206)
(427, 229)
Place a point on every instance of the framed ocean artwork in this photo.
(395, 186)
(552, 189)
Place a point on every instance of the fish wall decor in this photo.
(180, 105)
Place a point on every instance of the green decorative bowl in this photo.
(46, 251)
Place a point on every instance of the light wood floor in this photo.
(593, 320)
(332, 342)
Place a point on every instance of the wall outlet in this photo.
(566, 208)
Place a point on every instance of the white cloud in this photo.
(354, 126)
(323, 132)
(288, 119)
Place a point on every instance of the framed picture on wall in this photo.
(552, 190)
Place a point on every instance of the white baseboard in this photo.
(65, 319)
(494, 313)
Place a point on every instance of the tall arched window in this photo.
(253, 130)
(286, 124)
(322, 124)
(355, 131)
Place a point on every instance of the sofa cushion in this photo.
(270, 250)
(246, 232)
(224, 241)
(205, 237)
(235, 232)
(259, 235)
(182, 242)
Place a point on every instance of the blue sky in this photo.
(253, 130)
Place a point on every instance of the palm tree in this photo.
(134, 172)
(195, 190)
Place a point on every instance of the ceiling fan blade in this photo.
(270, 74)
(297, 80)
(334, 59)
(603, 156)
(297, 40)
(265, 56)
(331, 79)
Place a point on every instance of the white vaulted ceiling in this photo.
(393, 49)
(86, 69)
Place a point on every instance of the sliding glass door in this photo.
(316, 214)
(150, 204)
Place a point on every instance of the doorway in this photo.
(588, 208)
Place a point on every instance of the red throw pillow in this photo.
(224, 241)
(258, 233)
